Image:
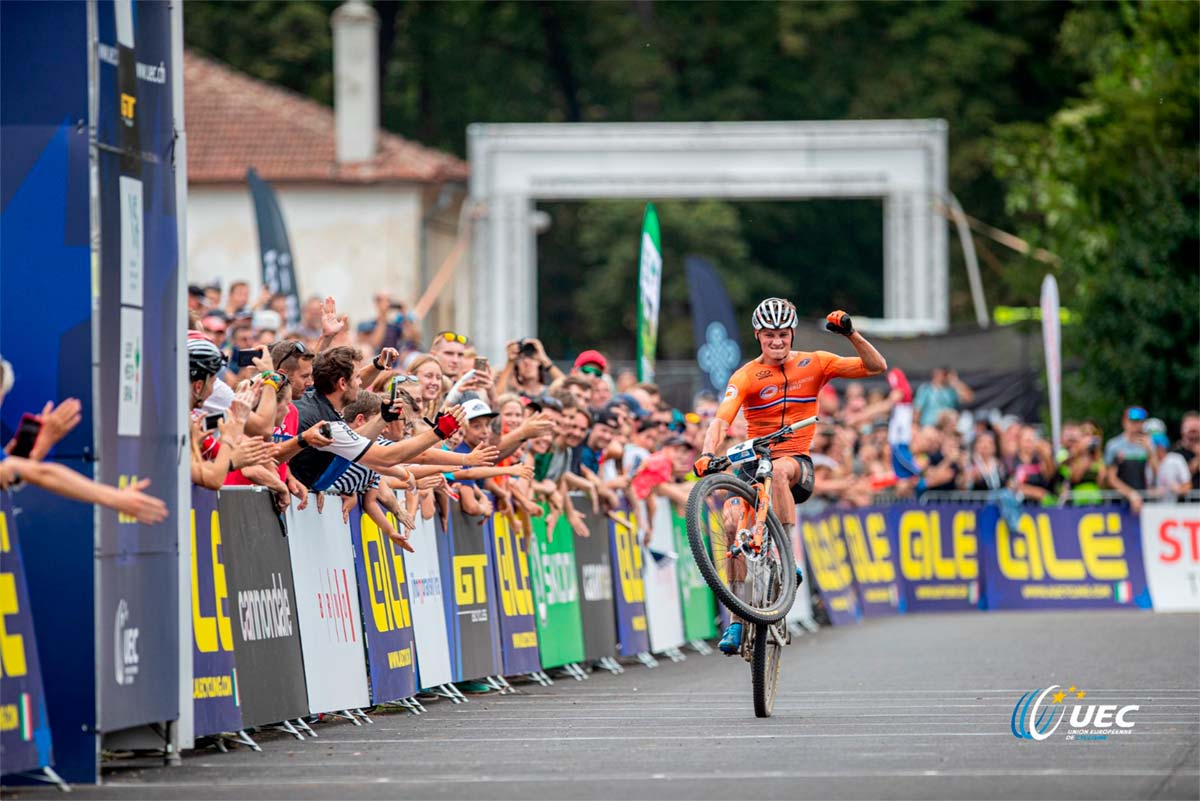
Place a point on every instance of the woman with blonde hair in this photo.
(432, 385)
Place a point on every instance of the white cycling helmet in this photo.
(774, 313)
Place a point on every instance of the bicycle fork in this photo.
(753, 525)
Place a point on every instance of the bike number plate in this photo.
(741, 453)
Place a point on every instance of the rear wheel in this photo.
(759, 588)
(764, 668)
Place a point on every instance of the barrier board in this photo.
(937, 553)
(509, 558)
(216, 702)
(593, 566)
(556, 594)
(630, 591)
(472, 622)
(427, 605)
(1171, 555)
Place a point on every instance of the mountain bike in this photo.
(745, 555)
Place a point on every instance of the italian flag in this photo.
(237, 696)
(26, 717)
(1123, 591)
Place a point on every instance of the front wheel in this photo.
(758, 589)
(764, 668)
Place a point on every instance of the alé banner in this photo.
(470, 602)
(331, 636)
(937, 552)
(1171, 555)
(24, 728)
(695, 598)
(556, 593)
(1076, 558)
(427, 605)
(387, 615)
(216, 700)
(872, 559)
(509, 558)
(650, 266)
(629, 591)
(593, 565)
(266, 634)
(830, 569)
(660, 576)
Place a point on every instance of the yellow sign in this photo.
(1029, 554)
(12, 646)
(212, 632)
(470, 581)
(629, 564)
(385, 574)
(512, 568)
(922, 553)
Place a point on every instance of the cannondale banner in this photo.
(713, 324)
(331, 637)
(139, 328)
(518, 629)
(216, 702)
(387, 619)
(427, 605)
(266, 635)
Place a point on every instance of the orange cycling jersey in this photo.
(772, 396)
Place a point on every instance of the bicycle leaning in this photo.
(745, 554)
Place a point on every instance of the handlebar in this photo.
(762, 445)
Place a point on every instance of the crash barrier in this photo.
(955, 557)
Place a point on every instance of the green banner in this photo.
(556, 593)
(695, 598)
(649, 293)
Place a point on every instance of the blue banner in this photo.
(474, 633)
(937, 551)
(829, 564)
(510, 569)
(713, 324)
(629, 592)
(215, 698)
(386, 611)
(872, 558)
(24, 727)
(1079, 558)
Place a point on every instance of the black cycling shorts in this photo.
(802, 490)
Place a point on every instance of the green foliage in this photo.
(1110, 184)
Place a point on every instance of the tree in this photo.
(1110, 184)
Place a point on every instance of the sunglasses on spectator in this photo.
(450, 336)
(295, 348)
(592, 370)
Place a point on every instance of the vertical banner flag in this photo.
(1052, 342)
(937, 550)
(278, 270)
(649, 293)
(630, 595)
(387, 621)
(713, 324)
(518, 629)
(216, 702)
(428, 608)
(24, 730)
(1171, 554)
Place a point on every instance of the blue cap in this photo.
(1160, 440)
(1137, 413)
(630, 402)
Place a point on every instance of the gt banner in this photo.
(1062, 558)
(830, 567)
(1171, 554)
(518, 629)
(266, 636)
(387, 621)
(630, 595)
(427, 606)
(556, 593)
(331, 639)
(695, 598)
(937, 550)
(594, 574)
(24, 729)
(661, 578)
(215, 699)
(865, 533)
(474, 631)
(650, 266)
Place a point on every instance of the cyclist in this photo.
(779, 388)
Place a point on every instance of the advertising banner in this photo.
(331, 637)
(1062, 559)
(660, 576)
(24, 728)
(801, 611)
(937, 551)
(873, 561)
(1171, 554)
(650, 266)
(387, 619)
(138, 327)
(518, 628)
(830, 569)
(216, 702)
(630, 595)
(714, 325)
(556, 593)
(470, 605)
(427, 605)
(695, 598)
(593, 564)
(266, 635)
(278, 269)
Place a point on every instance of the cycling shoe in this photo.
(731, 641)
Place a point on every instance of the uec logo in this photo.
(1033, 721)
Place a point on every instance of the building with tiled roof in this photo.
(365, 209)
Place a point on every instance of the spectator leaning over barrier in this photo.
(432, 384)
(943, 390)
(1129, 458)
(336, 382)
(473, 481)
(1189, 445)
(1082, 465)
(1033, 474)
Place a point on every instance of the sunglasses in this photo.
(295, 348)
(592, 370)
(450, 336)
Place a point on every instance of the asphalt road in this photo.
(911, 707)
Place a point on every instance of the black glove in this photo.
(443, 425)
(839, 323)
(385, 411)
